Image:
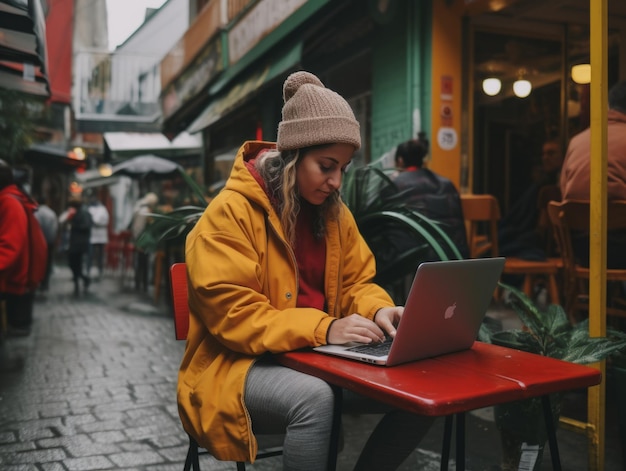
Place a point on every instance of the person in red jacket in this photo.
(15, 293)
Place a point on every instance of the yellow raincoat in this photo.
(242, 297)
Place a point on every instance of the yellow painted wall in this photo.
(447, 89)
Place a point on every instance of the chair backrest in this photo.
(481, 213)
(564, 217)
(180, 298)
(546, 194)
(574, 215)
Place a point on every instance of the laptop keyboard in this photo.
(378, 349)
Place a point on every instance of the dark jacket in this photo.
(437, 198)
(80, 230)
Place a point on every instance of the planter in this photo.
(523, 434)
(522, 426)
(616, 381)
(549, 333)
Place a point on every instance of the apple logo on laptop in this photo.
(449, 311)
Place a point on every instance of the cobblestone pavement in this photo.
(93, 388)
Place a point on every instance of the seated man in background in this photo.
(519, 234)
(575, 175)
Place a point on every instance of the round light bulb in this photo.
(522, 88)
(492, 86)
(581, 73)
(105, 170)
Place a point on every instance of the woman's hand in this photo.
(354, 328)
(387, 319)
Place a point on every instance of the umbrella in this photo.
(146, 165)
(152, 165)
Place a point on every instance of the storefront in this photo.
(364, 51)
(542, 48)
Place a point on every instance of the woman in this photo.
(277, 263)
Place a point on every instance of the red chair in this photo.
(269, 445)
(113, 250)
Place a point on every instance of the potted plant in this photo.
(545, 332)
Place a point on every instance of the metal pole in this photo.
(598, 22)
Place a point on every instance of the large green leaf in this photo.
(548, 332)
(168, 226)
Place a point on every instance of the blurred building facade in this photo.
(94, 90)
(405, 66)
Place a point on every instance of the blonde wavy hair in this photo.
(278, 170)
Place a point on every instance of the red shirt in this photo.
(311, 257)
(310, 253)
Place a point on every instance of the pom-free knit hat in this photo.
(314, 114)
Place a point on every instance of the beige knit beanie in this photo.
(313, 114)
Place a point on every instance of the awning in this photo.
(24, 78)
(94, 179)
(129, 141)
(23, 42)
(55, 157)
(237, 93)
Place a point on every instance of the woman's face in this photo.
(320, 170)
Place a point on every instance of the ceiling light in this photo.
(492, 86)
(105, 170)
(77, 153)
(522, 88)
(581, 73)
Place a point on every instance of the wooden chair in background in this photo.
(482, 214)
(573, 216)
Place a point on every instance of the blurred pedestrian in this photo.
(99, 235)
(79, 220)
(141, 215)
(50, 226)
(15, 291)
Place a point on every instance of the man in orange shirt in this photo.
(576, 171)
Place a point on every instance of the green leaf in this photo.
(551, 334)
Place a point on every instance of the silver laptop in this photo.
(445, 307)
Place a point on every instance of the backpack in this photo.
(37, 251)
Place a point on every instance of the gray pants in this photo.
(281, 400)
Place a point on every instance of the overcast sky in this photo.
(125, 16)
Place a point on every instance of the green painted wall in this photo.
(401, 77)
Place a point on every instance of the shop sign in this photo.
(220, 106)
(447, 137)
(265, 17)
(194, 79)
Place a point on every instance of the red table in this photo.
(453, 384)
